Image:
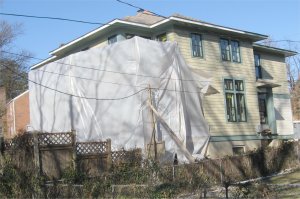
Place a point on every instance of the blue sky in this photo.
(278, 18)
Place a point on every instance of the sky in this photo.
(279, 19)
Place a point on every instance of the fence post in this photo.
(36, 152)
(74, 154)
(221, 172)
(109, 154)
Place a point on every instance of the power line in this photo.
(116, 83)
(51, 18)
(77, 96)
(140, 9)
(102, 70)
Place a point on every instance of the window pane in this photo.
(162, 37)
(196, 45)
(239, 85)
(256, 60)
(225, 50)
(228, 84)
(238, 150)
(241, 109)
(258, 70)
(129, 36)
(235, 47)
(230, 106)
(112, 39)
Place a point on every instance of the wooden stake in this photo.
(187, 154)
(153, 136)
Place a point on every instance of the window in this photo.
(129, 36)
(238, 150)
(258, 71)
(196, 45)
(162, 37)
(230, 50)
(235, 48)
(112, 39)
(262, 105)
(225, 50)
(235, 100)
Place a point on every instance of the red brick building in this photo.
(17, 115)
(2, 109)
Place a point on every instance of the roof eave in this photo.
(254, 36)
(286, 53)
(114, 22)
(46, 61)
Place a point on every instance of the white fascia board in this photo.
(43, 62)
(96, 31)
(159, 23)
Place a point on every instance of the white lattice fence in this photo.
(91, 148)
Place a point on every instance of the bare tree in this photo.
(12, 67)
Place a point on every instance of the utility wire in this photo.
(77, 96)
(51, 18)
(140, 9)
(116, 83)
(102, 70)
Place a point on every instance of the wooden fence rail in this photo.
(52, 153)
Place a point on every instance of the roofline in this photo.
(95, 31)
(42, 62)
(220, 27)
(20, 95)
(158, 24)
(286, 53)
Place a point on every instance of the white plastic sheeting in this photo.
(103, 93)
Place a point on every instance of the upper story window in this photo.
(197, 50)
(257, 64)
(162, 37)
(230, 50)
(129, 36)
(225, 49)
(112, 39)
(235, 100)
(235, 48)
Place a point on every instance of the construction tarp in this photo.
(105, 93)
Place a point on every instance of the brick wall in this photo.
(17, 115)
(2, 108)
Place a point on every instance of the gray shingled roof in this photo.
(148, 18)
(144, 17)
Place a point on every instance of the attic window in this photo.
(162, 37)
(112, 39)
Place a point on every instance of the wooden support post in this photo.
(36, 153)
(74, 154)
(187, 154)
(109, 154)
(153, 135)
